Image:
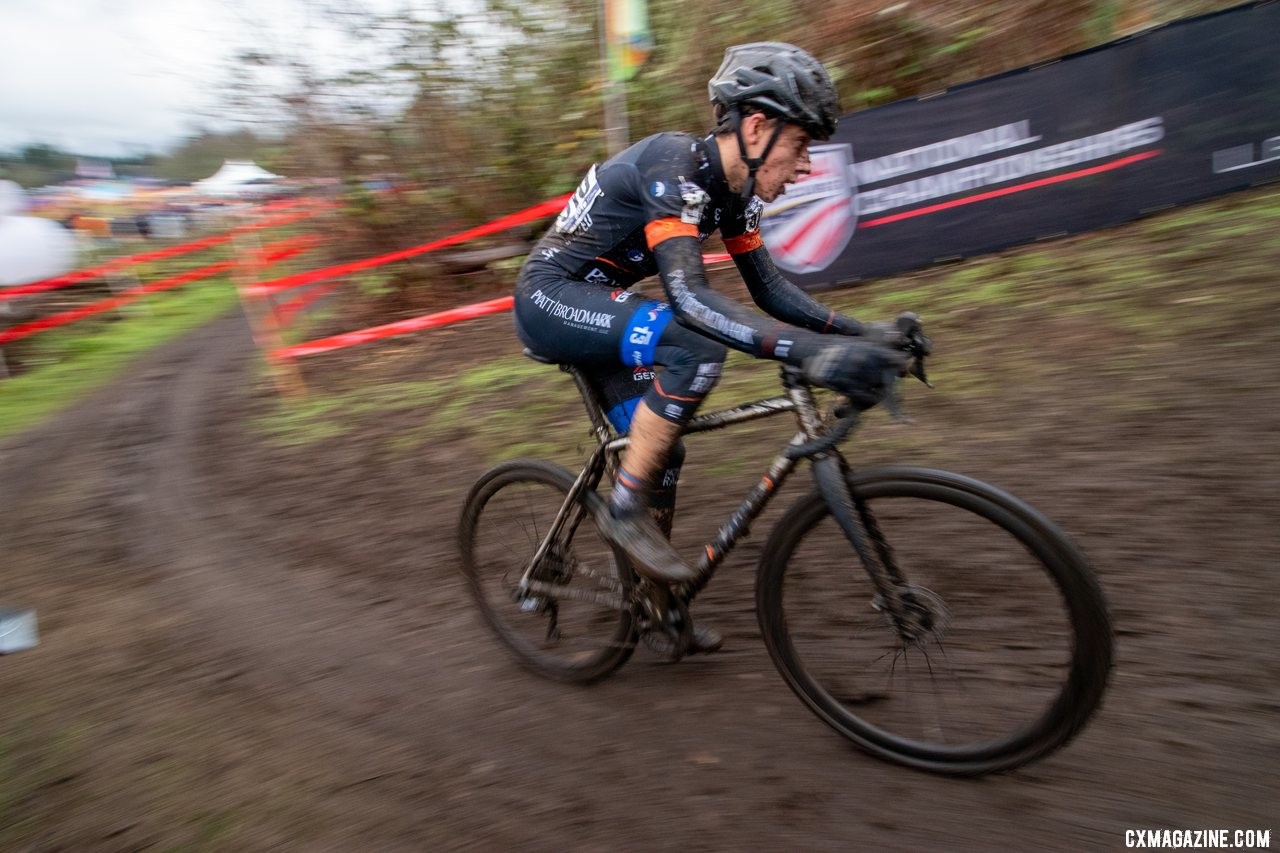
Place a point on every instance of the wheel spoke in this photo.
(976, 585)
(572, 623)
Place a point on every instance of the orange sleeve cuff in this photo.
(660, 230)
(743, 243)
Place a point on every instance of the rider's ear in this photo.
(755, 127)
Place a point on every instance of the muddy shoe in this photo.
(638, 535)
(704, 640)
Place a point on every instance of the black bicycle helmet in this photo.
(780, 80)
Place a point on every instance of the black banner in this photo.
(1174, 115)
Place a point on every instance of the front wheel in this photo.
(572, 621)
(1001, 646)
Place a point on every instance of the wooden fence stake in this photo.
(262, 317)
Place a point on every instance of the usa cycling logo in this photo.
(808, 228)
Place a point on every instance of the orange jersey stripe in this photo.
(743, 243)
(664, 229)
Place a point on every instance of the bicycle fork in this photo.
(894, 595)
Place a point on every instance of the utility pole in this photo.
(616, 133)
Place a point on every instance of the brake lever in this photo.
(916, 344)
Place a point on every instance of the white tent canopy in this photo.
(31, 248)
(236, 177)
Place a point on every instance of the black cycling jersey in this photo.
(645, 212)
(629, 219)
(600, 235)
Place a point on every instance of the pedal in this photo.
(668, 629)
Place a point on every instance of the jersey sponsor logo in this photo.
(751, 218)
(658, 188)
(643, 330)
(635, 256)
(581, 318)
(695, 198)
(597, 276)
(674, 410)
(708, 375)
(809, 227)
(622, 295)
(643, 374)
(576, 216)
(691, 305)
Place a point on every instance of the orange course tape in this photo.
(145, 257)
(440, 318)
(24, 329)
(509, 221)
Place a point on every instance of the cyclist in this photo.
(646, 211)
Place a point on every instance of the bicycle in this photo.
(571, 608)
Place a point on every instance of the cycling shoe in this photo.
(704, 640)
(639, 537)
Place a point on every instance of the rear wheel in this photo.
(575, 623)
(1002, 648)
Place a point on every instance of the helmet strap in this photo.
(753, 163)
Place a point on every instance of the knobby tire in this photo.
(1079, 675)
(498, 536)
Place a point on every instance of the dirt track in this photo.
(250, 646)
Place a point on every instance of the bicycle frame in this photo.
(563, 570)
(798, 398)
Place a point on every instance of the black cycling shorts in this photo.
(617, 337)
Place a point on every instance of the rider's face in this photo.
(788, 160)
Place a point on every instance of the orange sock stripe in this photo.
(628, 480)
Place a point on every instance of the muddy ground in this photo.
(250, 641)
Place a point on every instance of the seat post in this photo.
(595, 409)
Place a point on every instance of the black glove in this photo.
(884, 332)
(905, 333)
(911, 330)
(861, 370)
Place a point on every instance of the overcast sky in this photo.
(107, 76)
(113, 77)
